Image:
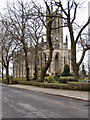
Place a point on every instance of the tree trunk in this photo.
(75, 66)
(76, 70)
(7, 74)
(36, 59)
(36, 72)
(49, 40)
(45, 68)
(2, 72)
(41, 59)
(27, 67)
(2, 62)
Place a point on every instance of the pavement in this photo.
(81, 95)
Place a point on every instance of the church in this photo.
(61, 55)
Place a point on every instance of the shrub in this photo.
(66, 71)
(46, 75)
(39, 80)
(70, 85)
(24, 82)
(66, 74)
(66, 68)
(50, 79)
(4, 81)
(66, 80)
(56, 77)
(14, 82)
(79, 86)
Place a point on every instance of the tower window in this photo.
(55, 25)
(57, 46)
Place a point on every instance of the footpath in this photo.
(81, 95)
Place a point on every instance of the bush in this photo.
(50, 79)
(66, 68)
(57, 75)
(66, 71)
(46, 75)
(70, 85)
(66, 74)
(14, 82)
(39, 80)
(79, 86)
(4, 81)
(66, 80)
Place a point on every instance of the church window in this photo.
(58, 45)
(64, 60)
(55, 46)
(47, 46)
(69, 59)
(45, 59)
(55, 25)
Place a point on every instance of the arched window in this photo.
(56, 63)
(65, 62)
(55, 24)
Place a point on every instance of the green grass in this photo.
(21, 78)
(66, 77)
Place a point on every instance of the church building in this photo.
(61, 55)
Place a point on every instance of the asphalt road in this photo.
(19, 103)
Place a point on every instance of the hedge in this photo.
(69, 86)
(45, 85)
(79, 86)
(66, 80)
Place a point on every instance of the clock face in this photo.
(57, 38)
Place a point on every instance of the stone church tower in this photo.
(61, 53)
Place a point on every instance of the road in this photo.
(19, 103)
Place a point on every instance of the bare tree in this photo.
(1, 52)
(17, 18)
(36, 31)
(69, 18)
(8, 48)
(47, 17)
